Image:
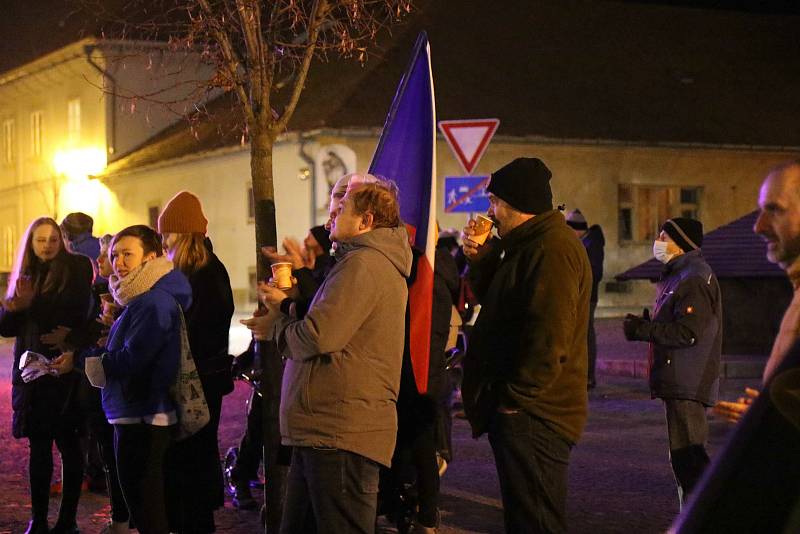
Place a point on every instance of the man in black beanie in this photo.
(526, 364)
(685, 337)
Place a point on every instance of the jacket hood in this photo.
(391, 242)
(176, 284)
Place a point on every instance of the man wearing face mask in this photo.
(685, 337)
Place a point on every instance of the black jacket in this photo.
(686, 332)
(528, 347)
(208, 322)
(48, 405)
(594, 242)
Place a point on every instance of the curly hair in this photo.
(378, 198)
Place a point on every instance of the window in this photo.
(153, 211)
(9, 240)
(36, 133)
(644, 208)
(251, 205)
(252, 284)
(74, 120)
(8, 141)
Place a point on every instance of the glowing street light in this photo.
(79, 163)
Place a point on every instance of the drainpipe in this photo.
(304, 140)
(111, 138)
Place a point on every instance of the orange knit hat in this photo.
(183, 214)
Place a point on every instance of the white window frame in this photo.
(74, 120)
(36, 133)
(8, 141)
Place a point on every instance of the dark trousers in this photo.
(103, 434)
(687, 428)
(339, 488)
(592, 345)
(140, 451)
(532, 465)
(194, 476)
(40, 470)
(250, 448)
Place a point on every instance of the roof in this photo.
(732, 251)
(607, 70)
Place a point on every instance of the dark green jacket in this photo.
(528, 347)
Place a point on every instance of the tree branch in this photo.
(231, 63)
(318, 13)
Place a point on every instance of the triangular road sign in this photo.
(468, 139)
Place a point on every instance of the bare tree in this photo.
(261, 51)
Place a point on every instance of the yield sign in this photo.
(468, 139)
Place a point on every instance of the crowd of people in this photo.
(108, 316)
(115, 319)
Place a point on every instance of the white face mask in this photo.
(660, 251)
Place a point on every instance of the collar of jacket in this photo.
(793, 271)
(677, 264)
(531, 229)
(80, 238)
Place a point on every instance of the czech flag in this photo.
(406, 153)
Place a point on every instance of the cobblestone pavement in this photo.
(620, 479)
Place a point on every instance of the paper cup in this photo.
(483, 227)
(282, 275)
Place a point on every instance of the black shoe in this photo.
(37, 527)
(61, 528)
(242, 498)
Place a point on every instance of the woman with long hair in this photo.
(193, 469)
(48, 288)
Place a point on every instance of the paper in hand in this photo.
(34, 365)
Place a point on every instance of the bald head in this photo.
(340, 188)
(779, 220)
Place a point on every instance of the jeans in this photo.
(687, 428)
(140, 450)
(40, 471)
(339, 488)
(531, 462)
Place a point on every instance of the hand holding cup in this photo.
(282, 275)
(474, 236)
(269, 295)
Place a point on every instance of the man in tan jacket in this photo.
(342, 372)
(779, 225)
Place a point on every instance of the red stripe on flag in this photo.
(420, 298)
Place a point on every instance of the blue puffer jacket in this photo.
(143, 350)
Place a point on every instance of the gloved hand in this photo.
(632, 326)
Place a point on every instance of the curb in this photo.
(638, 368)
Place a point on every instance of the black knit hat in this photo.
(576, 220)
(524, 184)
(687, 233)
(323, 237)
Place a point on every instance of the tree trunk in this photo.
(261, 143)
